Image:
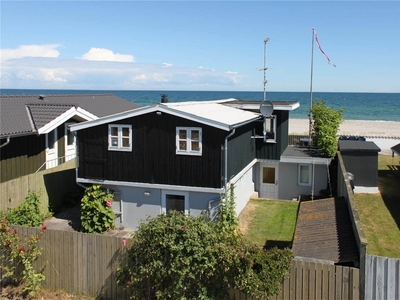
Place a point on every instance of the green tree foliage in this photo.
(27, 213)
(97, 215)
(325, 127)
(175, 256)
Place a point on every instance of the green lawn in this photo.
(380, 213)
(269, 223)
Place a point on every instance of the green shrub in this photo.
(27, 213)
(175, 256)
(97, 215)
(325, 127)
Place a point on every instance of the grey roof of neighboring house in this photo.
(24, 114)
(396, 149)
(346, 145)
(254, 105)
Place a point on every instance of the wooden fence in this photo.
(382, 278)
(53, 185)
(86, 264)
(80, 263)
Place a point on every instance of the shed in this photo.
(361, 159)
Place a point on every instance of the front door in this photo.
(269, 181)
(51, 149)
(69, 143)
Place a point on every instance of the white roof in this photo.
(211, 113)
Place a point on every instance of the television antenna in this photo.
(265, 68)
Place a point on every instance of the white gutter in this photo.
(226, 157)
(6, 143)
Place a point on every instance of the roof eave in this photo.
(72, 112)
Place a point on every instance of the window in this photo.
(174, 200)
(120, 137)
(270, 129)
(188, 140)
(304, 175)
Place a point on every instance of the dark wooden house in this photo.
(34, 133)
(361, 159)
(185, 155)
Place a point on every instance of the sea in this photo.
(355, 106)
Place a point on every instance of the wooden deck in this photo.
(324, 231)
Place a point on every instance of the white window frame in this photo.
(299, 175)
(266, 139)
(164, 194)
(119, 147)
(188, 140)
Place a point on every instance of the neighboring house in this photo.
(184, 155)
(360, 158)
(34, 133)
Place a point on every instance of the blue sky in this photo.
(200, 45)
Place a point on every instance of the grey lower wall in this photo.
(136, 204)
(288, 186)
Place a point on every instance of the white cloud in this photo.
(166, 65)
(231, 72)
(30, 51)
(102, 54)
(59, 73)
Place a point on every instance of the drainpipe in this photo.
(6, 143)
(77, 161)
(226, 158)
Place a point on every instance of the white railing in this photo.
(51, 163)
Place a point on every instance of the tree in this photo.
(175, 256)
(326, 122)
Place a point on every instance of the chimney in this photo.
(164, 98)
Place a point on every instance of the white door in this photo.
(269, 181)
(51, 149)
(70, 143)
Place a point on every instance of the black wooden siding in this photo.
(22, 156)
(153, 158)
(275, 150)
(241, 149)
(363, 165)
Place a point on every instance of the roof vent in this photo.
(164, 98)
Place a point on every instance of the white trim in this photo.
(119, 147)
(72, 112)
(299, 175)
(305, 160)
(152, 186)
(366, 189)
(189, 150)
(174, 192)
(244, 171)
(256, 106)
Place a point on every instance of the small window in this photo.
(270, 129)
(174, 200)
(304, 175)
(120, 137)
(188, 140)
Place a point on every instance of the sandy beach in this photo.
(353, 127)
(384, 134)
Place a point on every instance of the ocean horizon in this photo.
(356, 106)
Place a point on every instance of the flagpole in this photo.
(311, 86)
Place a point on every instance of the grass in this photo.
(380, 213)
(269, 223)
